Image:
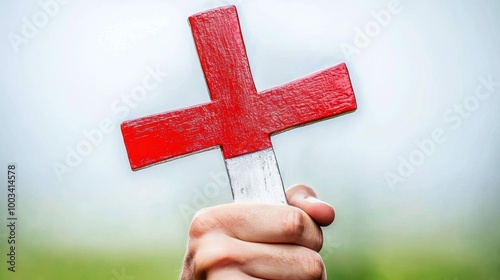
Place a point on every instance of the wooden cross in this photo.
(239, 119)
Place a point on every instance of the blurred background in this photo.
(413, 174)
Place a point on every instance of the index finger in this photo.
(258, 222)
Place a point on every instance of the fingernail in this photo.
(312, 199)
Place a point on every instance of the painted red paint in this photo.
(238, 119)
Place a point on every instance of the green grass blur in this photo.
(423, 263)
(418, 262)
(37, 264)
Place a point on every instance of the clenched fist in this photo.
(259, 241)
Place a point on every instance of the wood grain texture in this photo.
(238, 119)
(256, 177)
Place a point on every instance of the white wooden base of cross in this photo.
(256, 177)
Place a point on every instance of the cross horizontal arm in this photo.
(154, 139)
(321, 95)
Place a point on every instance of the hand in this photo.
(259, 241)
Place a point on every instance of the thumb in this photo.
(304, 197)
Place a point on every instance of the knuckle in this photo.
(315, 268)
(317, 242)
(294, 223)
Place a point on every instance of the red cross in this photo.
(238, 119)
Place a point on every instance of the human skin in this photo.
(259, 241)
